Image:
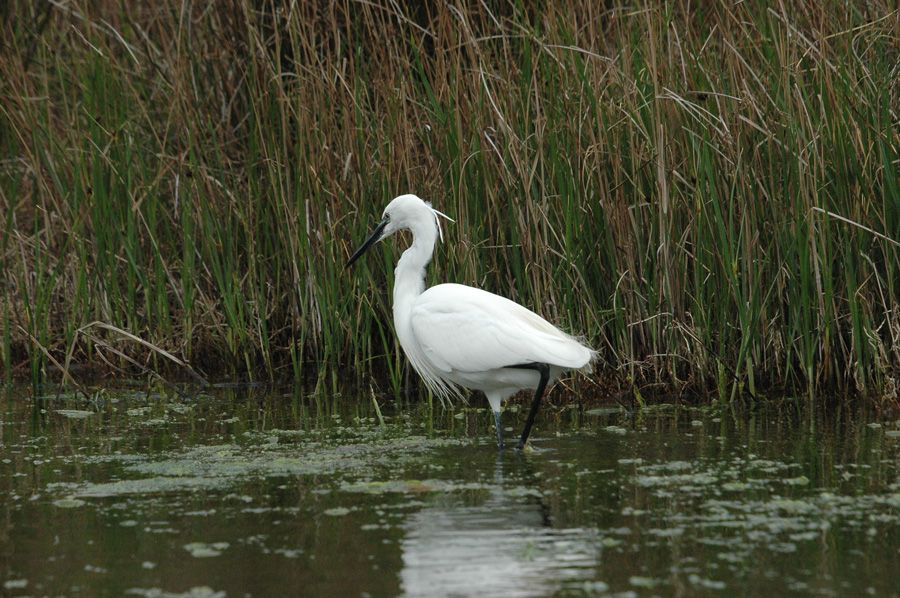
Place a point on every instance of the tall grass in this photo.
(707, 191)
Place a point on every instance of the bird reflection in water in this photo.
(506, 545)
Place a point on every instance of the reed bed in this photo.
(707, 191)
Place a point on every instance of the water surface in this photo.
(243, 491)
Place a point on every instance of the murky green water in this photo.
(251, 492)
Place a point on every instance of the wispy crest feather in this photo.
(437, 220)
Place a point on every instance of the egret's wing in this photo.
(465, 329)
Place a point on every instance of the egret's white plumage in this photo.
(457, 336)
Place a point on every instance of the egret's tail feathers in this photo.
(588, 367)
(590, 355)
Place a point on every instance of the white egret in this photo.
(457, 336)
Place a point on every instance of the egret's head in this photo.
(404, 212)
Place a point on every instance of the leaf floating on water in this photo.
(618, 430)
(203, 550)
(605, 411)
(149, 486)
(685, 481)
(735, 486)
(710, 584)
(798, 481)
(75, 413)
(672, 532)
(806, 536)
(68, 503)
(659, 408)
(595, 587)
(670, 466)
(337, 511)
(195, 592)
(410, 486)
(792, 506)
(642, 582)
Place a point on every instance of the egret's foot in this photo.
(544, 370)
(499, 430)
(525, 447)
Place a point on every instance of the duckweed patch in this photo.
(296, 492)
(68, 503)
(202, 550)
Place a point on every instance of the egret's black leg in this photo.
(499, 429)
(544, 370)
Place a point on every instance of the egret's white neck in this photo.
(409, 275)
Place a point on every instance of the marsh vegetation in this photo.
(707, 191)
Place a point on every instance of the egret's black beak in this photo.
(373, 238)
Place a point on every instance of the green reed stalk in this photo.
(709, 194)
